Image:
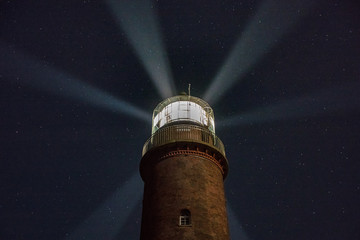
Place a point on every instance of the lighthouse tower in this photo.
(183, 167)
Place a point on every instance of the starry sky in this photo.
(77, 94)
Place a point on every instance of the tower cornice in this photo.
(184, 139)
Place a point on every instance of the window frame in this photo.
(185, 218)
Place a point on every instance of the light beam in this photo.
(329, 101)
(236, 230)
(21, 68)
(264, 31)
(140, 24)
(108, 219)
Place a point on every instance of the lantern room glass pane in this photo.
(182, 111)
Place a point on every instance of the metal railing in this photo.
(183, 132)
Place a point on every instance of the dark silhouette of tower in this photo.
(183, 168)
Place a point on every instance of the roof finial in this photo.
(189, 88)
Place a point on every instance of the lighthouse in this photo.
(183, 167)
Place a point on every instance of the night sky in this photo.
(287, 110)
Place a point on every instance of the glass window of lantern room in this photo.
(172, 112)
(162, 118)
(168, 112)
(195, 112)
(211, 124)
(156, 121)
(203, 117)
(183, 110)
(185, 218)
(189, 108)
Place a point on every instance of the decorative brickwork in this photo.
(194, 153)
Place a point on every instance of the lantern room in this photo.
(181, 109)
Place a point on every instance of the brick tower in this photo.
(183, 167)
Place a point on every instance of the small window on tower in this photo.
(185, 218)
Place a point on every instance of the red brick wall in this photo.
(184, 182)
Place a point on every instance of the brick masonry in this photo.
(183, 181)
